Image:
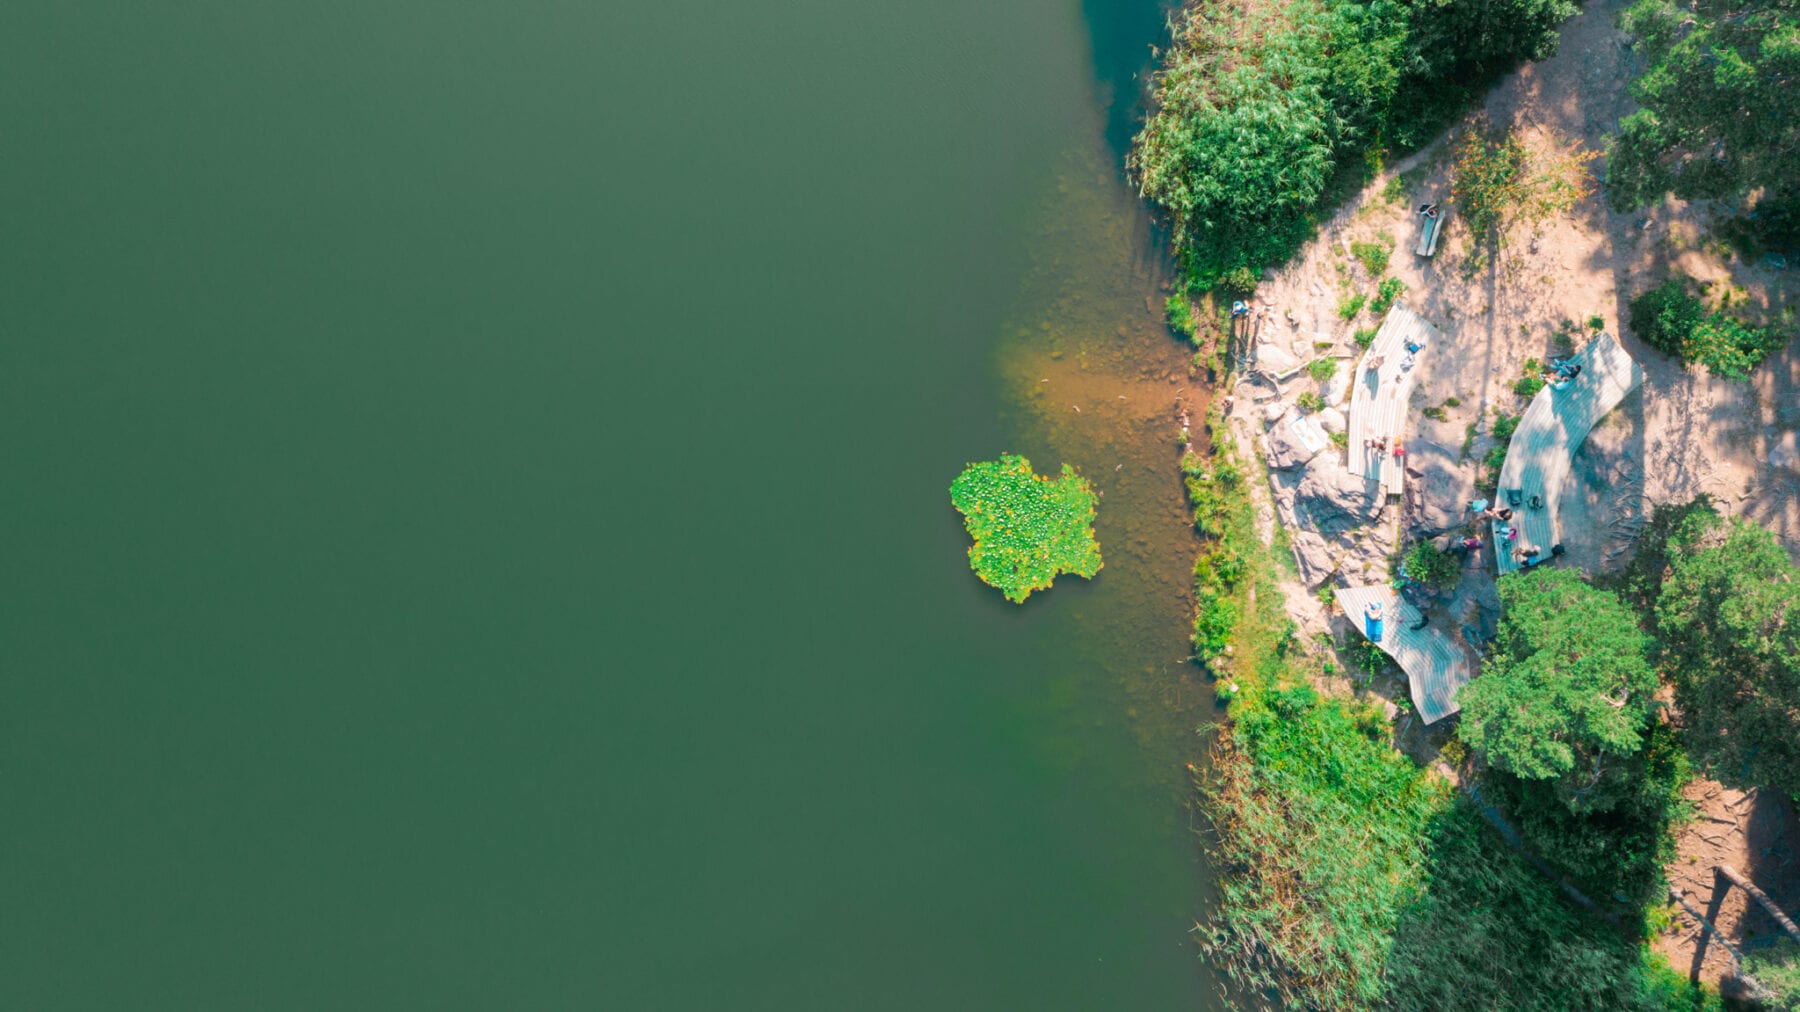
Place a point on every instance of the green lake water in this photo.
(477, 515)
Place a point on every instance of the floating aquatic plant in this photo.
(1028, 528)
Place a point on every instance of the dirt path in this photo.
(1754, 832)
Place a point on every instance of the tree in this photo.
(1718, 116)
(1567, 692)
(1729, 619)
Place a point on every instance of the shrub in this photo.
(1364, 338)
(1453, 402)
(1239, 281)
(1431, 567)
(1436, 414)
(1181, 315)
(1671, 319)
(1495, 180)
(1777, 972)
(1505, 426)
(1322, 369)
(1026, 528)
(1596, 322)
(1374, 257)
(1310, 401)
(1528, 386)
(1494, 461)
(1385, 295)
(1341, 440)
(1665, 316)
(1349, 305)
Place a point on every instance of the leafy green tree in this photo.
(1729, 619)
(1719, 116)
(1567, 692)
(1258, 106)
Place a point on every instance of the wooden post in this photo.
(1768, 904)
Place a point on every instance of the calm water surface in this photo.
(477, 528)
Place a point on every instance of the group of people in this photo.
(1561, 373)
(1378, 445)
(1526, 555)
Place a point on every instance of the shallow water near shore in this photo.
(480, 523)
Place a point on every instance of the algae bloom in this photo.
(1027, 527)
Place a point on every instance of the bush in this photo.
(1665, 316)
(1181, 315)
(1322, 369)
(1776, 970)
(1349, 305)
(1310, 401)
(1431, 567)
(1496, 179)
(1528, 386)
(1596, 322)
(1671, 319)
(1374, 257)
(1505, 426)
(1495, 461)
(1365, 337)
(1389, 290)
(1026, 528)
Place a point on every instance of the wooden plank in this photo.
(1552, 428)
(1436, 665)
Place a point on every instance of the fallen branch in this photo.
(1767, 904)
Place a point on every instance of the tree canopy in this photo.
(1567, 691)
(1729, 620)
(1718, 116)
(1258, 105)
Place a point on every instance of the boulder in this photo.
(1313, 556)
(1331, 500)
(1272, 412)
(1438, 488)
(1273, 358)
(1338, 387)
(1332, 420)
(1286, 450)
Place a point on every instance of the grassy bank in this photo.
(1350, 877)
